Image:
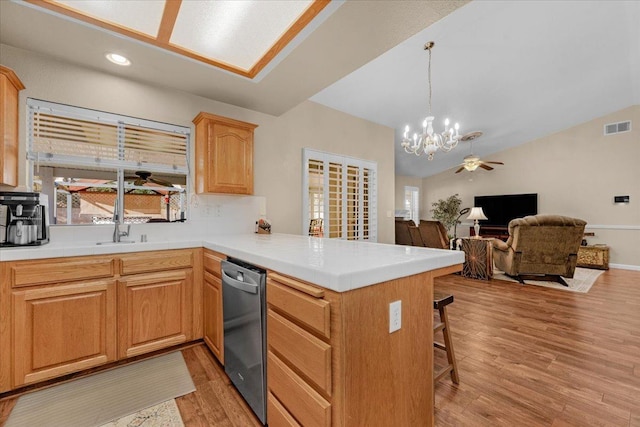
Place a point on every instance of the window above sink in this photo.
(91, 163)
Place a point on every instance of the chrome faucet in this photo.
(117, 234)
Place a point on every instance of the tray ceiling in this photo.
(237, 36)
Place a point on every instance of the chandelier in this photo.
(428, 141)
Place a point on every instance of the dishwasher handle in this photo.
(246, 287)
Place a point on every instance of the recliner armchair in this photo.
(540, 247)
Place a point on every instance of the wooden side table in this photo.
(478, 258)
(596, 256)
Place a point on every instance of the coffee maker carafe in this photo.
(23, 219)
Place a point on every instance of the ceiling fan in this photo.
(473, 162)
(143, 177)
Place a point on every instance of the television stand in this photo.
(488, 231)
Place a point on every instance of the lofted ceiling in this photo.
(517, 71)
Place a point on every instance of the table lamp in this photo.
(476, 214)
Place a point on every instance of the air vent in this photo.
(619, 127)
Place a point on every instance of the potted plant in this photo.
(447, 211)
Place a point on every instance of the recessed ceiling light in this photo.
(118, 59)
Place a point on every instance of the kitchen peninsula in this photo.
(331, 357)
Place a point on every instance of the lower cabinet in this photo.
(212, 303)
(64, 315)
(62, 329)
(154, 311)
(299, 359)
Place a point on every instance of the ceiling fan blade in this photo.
(460, 170)
(487, 167)
(495, 163)
(160, 182)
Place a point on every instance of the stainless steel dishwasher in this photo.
(245, 341)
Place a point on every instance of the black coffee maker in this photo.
(23, 219)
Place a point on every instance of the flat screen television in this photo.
(501, 209)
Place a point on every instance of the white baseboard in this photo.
(625, 267)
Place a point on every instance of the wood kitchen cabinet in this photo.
(63, 315)
(212, 304)
(62, 329)
(57, 316)
(333, 362)
(154, 311)
(155, 307)
(224, 155)
(299, 353)
(10, 87)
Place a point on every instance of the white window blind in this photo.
(342, 192)
(65, 135)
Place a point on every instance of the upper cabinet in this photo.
(10, 86)
(224, 155)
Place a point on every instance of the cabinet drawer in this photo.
(29, 273)
(144, 262)
(278, 416)
(306, 352)
(312, 312)
(212, 262)
(299, 399)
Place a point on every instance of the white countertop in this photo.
(338, 265)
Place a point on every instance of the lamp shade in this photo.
(476, 213)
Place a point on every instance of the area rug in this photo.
(106, 396)
(165, 414)
(583, 279)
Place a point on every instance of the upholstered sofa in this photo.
(540, 247)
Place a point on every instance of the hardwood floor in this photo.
(534, 356)
(215, 402)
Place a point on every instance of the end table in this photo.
(478, 258)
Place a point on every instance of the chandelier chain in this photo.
(429, 74)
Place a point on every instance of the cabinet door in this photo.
(63, 328)
(154, 311)
(213, 332)
(230, 159)
(10, 86)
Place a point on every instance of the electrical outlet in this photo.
(217, 211)
(395, 316)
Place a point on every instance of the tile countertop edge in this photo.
(87, 249)
(341, 281)
(346, 281)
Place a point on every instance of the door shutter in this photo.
(348, 189)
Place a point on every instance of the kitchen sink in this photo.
(115, 243)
